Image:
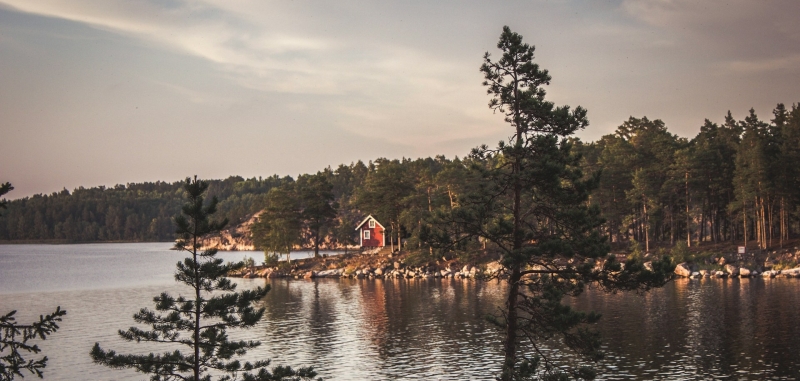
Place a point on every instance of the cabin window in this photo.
(366, 234)
(371, 224)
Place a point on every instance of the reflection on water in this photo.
(383, 329)
(733, 329)
(353, 329)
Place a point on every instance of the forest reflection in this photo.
(418, 329)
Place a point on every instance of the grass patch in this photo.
(784, 265)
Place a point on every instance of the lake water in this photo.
(737, 329)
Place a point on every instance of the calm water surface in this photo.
(405, 329)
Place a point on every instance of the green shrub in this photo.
(248, 261)
(270, 259)
(636, 251)
(680, 253)
(784, 265)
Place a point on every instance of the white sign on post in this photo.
(741, 249)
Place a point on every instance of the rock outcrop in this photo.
(234, 238)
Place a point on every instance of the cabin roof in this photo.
(367, 219)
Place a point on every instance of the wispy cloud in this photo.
(791, 62)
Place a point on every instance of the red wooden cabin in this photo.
(371, 233)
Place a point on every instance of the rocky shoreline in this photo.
(731, 271)
(373, 265)
(394, 270)
(767, 264)
(385, 265)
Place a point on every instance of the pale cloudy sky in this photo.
(115, 91)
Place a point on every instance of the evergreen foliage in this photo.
(317, 208)
(279, 227)
(132, 212)
(199, 323)
(528, 199)
(15, 340)
(5, 188)
(735, 182)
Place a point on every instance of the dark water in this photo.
(406, 329)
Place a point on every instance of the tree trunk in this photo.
(316, 245)
(510, 343)
(744, 219)
(646, 228)
(688, 216)
(391, 239)
(197, 306)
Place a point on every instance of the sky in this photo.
(115, 91)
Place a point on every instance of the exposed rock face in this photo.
(683, 269)
(234, 238)
(744, 273)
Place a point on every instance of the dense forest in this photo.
(734, 181)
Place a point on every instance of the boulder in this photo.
(731, 270)
(329, 273)
(791, 273)
(378, 271)
(719, 274)
(465, 269)
(695, 275)
(308, 275)
(744, 273)
(682, 269)
(704, 273)
(396, 265)
(493, 268)
(648, 266)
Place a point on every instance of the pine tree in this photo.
(317, 208)
(279, 227)
(199, 323)
(15, 338)
(529, 202)
(4, 188)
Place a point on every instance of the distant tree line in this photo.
(132, 212)
(734, 182)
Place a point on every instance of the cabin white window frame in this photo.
(366, 234)
(371, 224)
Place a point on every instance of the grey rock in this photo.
(682, 269)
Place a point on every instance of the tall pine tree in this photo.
(529, 203)
(199, 323)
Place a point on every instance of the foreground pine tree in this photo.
(16, 339)
(528, 201)
(199, 323)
